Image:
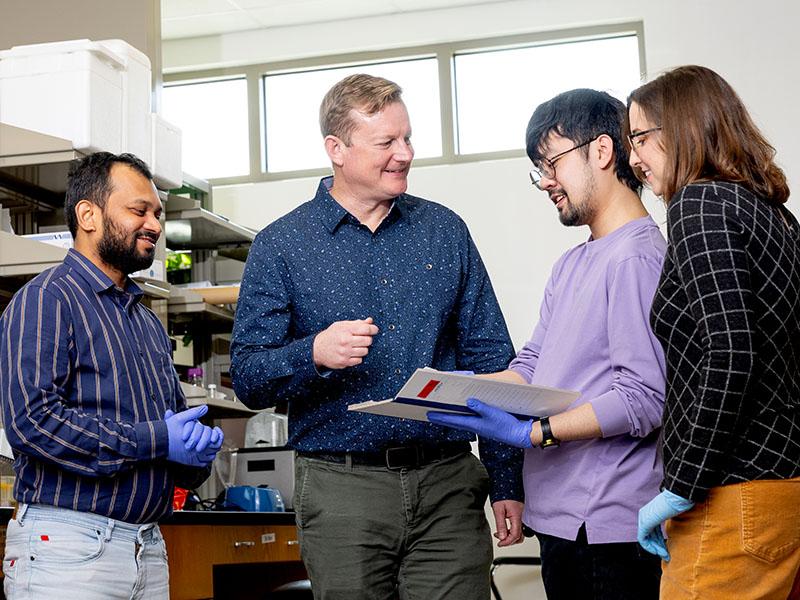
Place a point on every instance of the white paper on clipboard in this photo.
(428, 389)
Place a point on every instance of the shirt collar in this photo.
(334, 214)
(98, 281)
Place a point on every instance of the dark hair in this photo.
(707, 134)
(582, 115)
(89, 179)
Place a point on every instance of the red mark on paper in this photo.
(429, 387)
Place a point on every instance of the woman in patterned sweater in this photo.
(727, 312)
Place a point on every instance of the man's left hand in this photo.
(490, 422)
(664, 506)
(508, 521)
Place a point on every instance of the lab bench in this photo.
(223, 555)
(227, 555)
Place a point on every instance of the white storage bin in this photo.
(167, 165)
(96, 94)
(136, 99)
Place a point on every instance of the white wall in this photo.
(753, 45)
(516, 229)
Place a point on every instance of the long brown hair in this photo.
(707, 134)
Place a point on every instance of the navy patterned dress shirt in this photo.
(421, 279)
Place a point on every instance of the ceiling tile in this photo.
(247, 4)
(190, 18)
(172, 9)
(207, 25)
(315, 11)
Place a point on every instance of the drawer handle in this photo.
(293, 543)
(244, 544)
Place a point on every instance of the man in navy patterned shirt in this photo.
(341, 300)
(92, 406)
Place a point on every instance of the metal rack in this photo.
(33, 175)
(207, 235)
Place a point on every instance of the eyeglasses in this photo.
(547, 168)
(638, 139)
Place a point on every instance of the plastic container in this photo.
(195, 376)
(265, 429)
(95, 94)
(167, 166)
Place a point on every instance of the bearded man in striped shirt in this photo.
(92, 406)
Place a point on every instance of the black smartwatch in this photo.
(548, 439)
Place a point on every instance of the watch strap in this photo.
(548, 439)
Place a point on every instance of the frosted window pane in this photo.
(213, 119)
(292, 100)
(497, 91)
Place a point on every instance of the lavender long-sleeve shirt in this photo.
(594, 336)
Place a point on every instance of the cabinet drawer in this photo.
(193, 551)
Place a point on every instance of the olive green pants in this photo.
(370, 533)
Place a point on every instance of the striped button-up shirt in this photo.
(86, 375)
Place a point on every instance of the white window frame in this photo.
(444, 53)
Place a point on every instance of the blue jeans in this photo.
(577, 570)
(60, 553)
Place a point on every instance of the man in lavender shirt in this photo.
(588, 470)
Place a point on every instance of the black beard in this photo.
(121, 253)
(574, 216)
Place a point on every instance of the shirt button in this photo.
(397, 371)
(384, 281)
(392, 327)
(428, 266)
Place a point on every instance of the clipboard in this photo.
(429, 389)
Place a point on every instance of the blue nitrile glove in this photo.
(177, 423)
(199, 437)
(664, 506)
(462, 372)
(188, 427)
(209, 453)
(491, 423)
(214, 444)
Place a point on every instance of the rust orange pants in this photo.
(741, 543)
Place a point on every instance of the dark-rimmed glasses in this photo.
(547, 168)
(638, 139)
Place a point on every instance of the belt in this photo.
(400, 457)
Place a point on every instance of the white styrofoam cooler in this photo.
(166, 166)
(96, 94)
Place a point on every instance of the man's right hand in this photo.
(344, 344)
(176, 424)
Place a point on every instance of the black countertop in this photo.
(224, 517)
(204, 517)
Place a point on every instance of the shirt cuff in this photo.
(504, 465)
(301, 360)
(611, 414)
(152, 440)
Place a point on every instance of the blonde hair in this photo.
(361, 92)
(707, 134)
